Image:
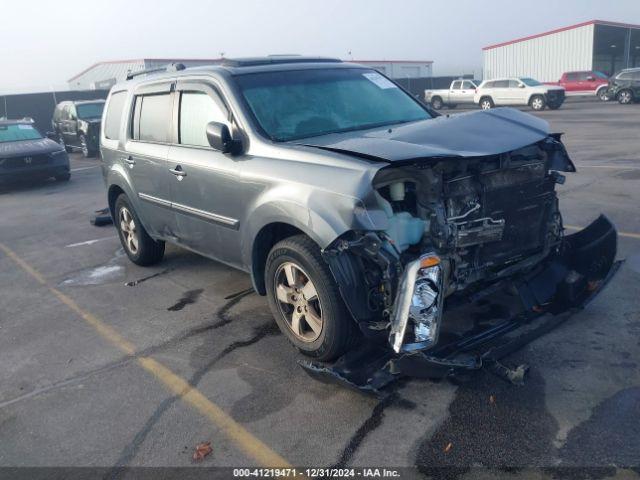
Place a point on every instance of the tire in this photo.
(601, 93)
(486, 103)
(64, 177)
(625, 97)
(335, 331)
(436, 103)
(147, 251)
(84, 147)
(537, 103)
(63, 143)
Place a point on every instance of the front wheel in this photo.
(436, 103)
(305, 300)
(138, 245)
(538, 103)
(625, 97)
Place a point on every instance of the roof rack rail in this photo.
(172, 67)
(275, 60)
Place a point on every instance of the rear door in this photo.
(145, 157)
(501, 92)
(206, 192)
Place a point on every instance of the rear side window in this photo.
(501, 84)
(572, 77)
(196, 110)
(152, 118)
(114, 116)
(489, 85)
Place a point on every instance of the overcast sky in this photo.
(46, 42)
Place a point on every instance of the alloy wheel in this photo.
(537, 104)
(485, 105)
(129, 230)
(625, 97)
(298, 301)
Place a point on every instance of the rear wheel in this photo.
(602, 94)
(138, 245)
(84, 146)
(486, 103)
(305, 300)
(436, 103)
(625, 97)
(537, 102)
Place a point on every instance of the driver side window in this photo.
(196, 110)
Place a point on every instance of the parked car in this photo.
(355, 209)
(77, 125)
(518, 92)
(26, 154)
(625, 86)
(584, 83)
(459, 93)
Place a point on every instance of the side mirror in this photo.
(521, 85)
(591, 79)
(52, 136)
(220, 138)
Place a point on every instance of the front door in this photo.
(145, 157)
(206, 191)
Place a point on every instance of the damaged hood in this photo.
(473, 134)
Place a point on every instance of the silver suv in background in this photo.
(360, 214)
(520, 91)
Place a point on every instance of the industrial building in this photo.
(594, 45)
(103, 75)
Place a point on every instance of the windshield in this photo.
(296, 104)
(89, 110)
(17, 132)
(530, 82)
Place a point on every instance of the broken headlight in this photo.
(418, 307)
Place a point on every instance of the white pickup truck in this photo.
(460, 92)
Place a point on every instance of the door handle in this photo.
(178, 172)
(128, 160)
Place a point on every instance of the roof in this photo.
(275, 60)
(563, 29)
(136, 60)
(220, 60)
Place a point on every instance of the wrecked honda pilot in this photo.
(368, 220)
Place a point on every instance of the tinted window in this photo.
(468, 85)
(455, 85)
(501, 84)
(624, 76)
(636, 75)
(304, 103)
(489, 85)
(584, 76)
(572, 77)
(90, 110)
(154, 118)
(17, 132)
(196, 110)
(530, 81)
(600, 74)
(114, 116)
(513, 83)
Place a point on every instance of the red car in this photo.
(589, 82)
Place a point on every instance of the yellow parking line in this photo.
(621, 234)
(249, 444)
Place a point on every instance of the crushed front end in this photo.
(459, 233)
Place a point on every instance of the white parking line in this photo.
(617, 167)
(84, 168)
(89, 242)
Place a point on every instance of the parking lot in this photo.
(107, 364)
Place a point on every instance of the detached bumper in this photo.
(559, 287)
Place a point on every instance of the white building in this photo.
(593, 45)
(103, 75)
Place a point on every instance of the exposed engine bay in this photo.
(458, 229)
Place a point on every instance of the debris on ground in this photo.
(101, 218)
(202, 450)
(448, 447)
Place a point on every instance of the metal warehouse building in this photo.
(103, 75)
(593, 45)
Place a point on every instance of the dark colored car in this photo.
(625, 86)
(77, 125)
(26, 153)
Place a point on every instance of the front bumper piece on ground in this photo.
(550, 294)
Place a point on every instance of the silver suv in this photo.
(355, 208)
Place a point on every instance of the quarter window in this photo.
(196, 110)
(114, 116)
(501, 84)
(152, 118)
(514, 84)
